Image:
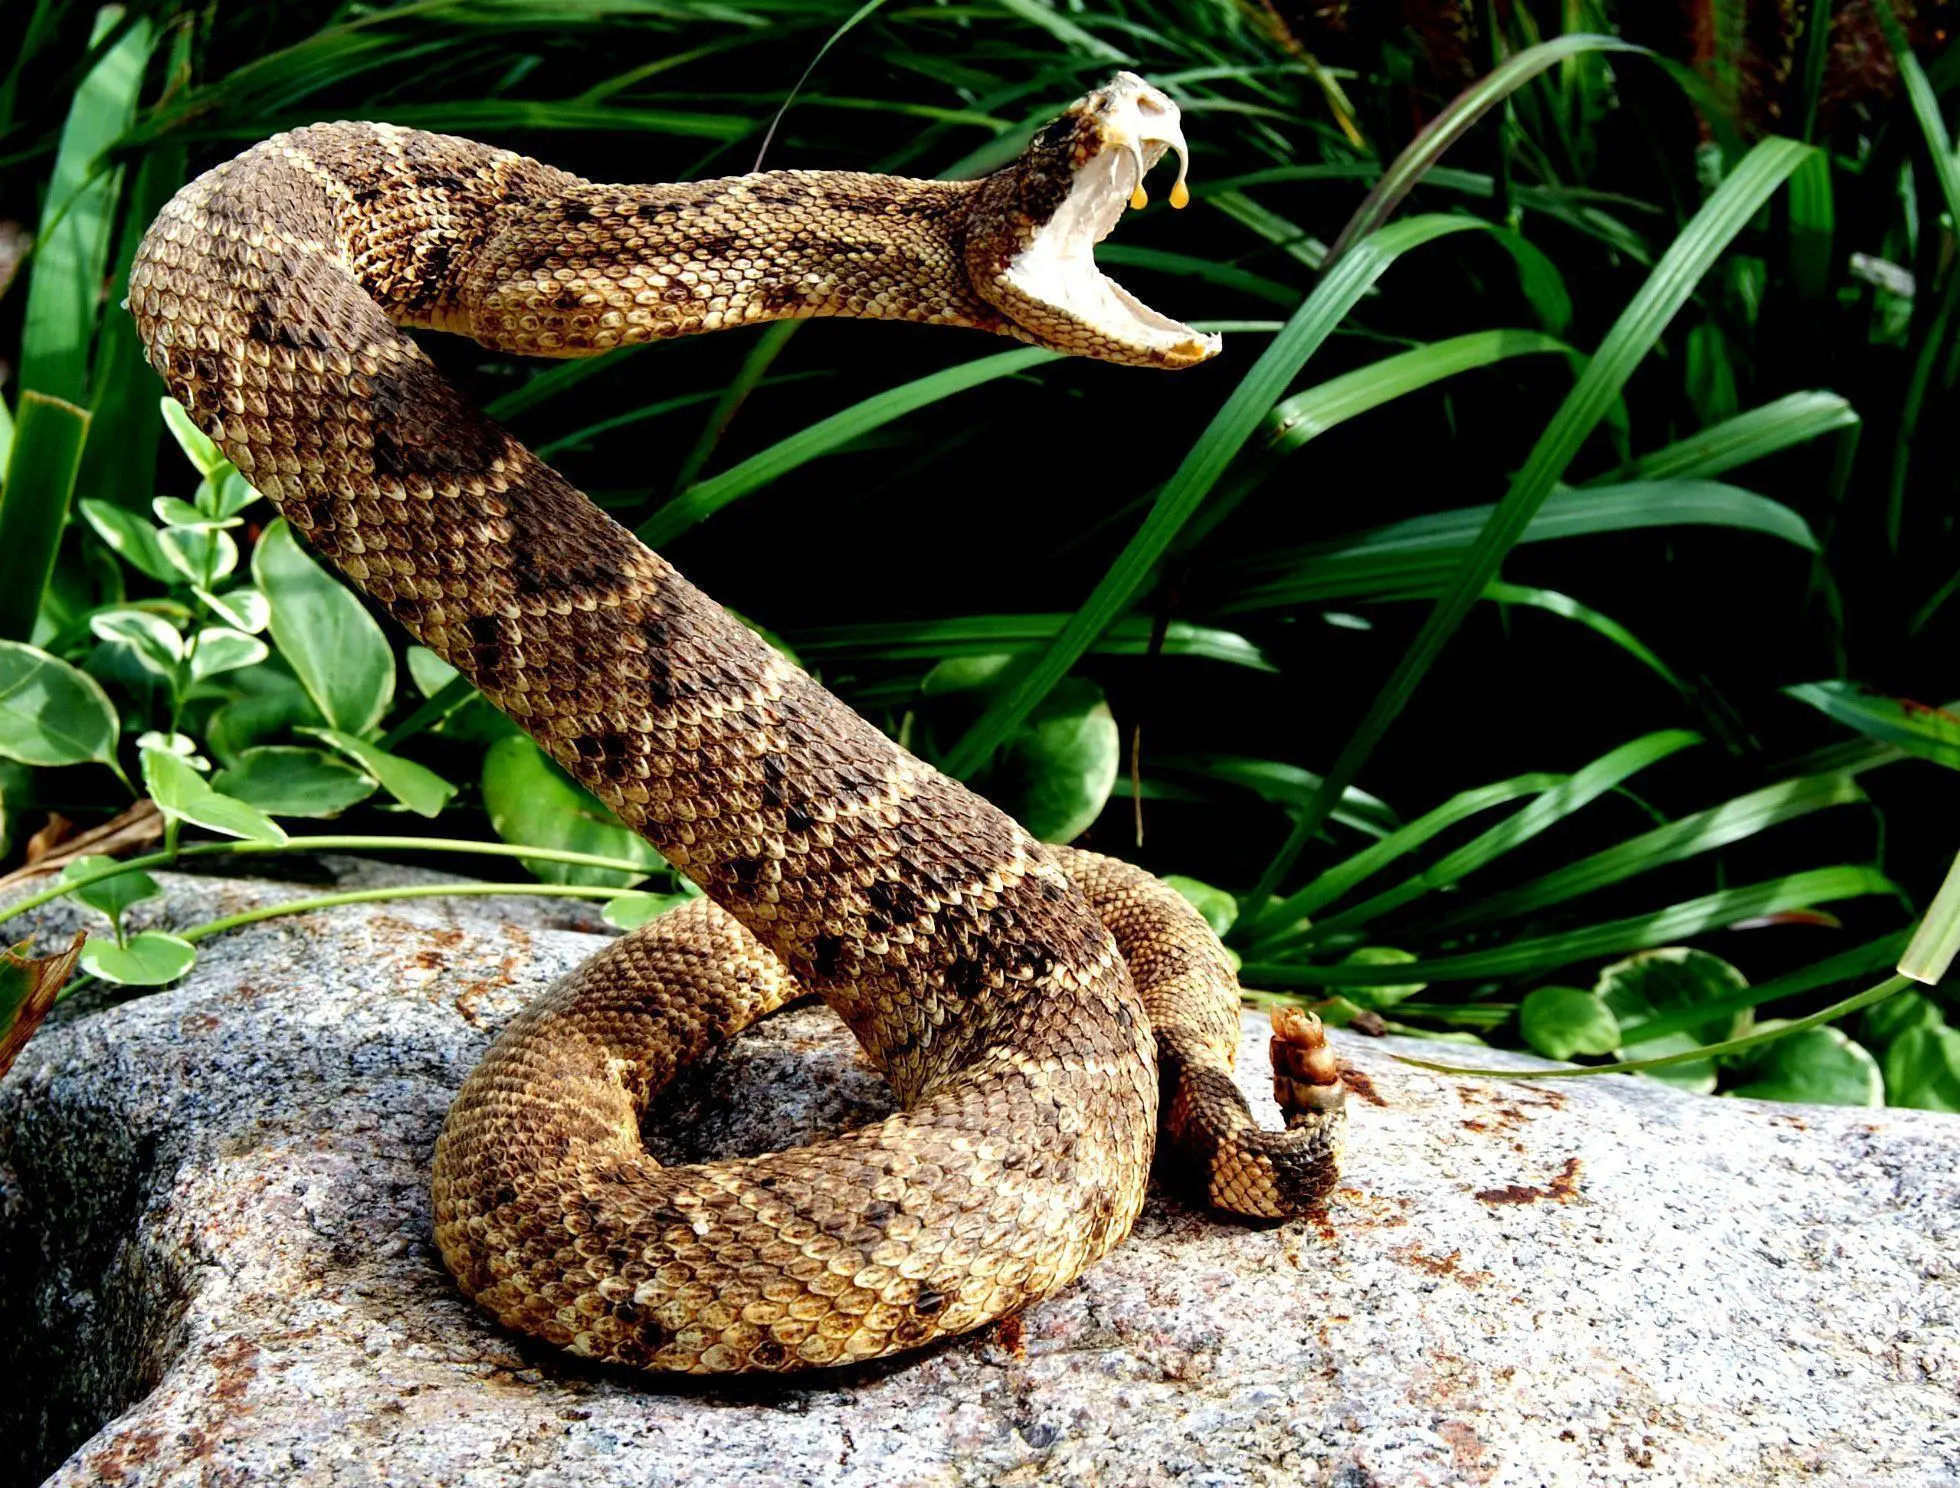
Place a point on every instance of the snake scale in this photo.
(1029, 1005)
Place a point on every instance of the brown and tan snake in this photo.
(1026, 1003)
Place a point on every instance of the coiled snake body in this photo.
(1024, 1002)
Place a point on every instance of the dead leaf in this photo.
(28, 985)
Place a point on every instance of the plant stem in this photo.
(376, 896)
(334, 844)
(1887, 988)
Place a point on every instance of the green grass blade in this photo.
(1831, 1014)
(862, 13)
(711, 495)
(1454, 121)
(1544, 954)
(748, 377)
(1567, 608)
(41, 471)
(64, 288)
(1933, 948)
(1284, 785)
(1344, 876)
(1816, 58)
(981, 635)
(122, 469)
(1690, 836)
(1584, 787)
(1307, 415)
(1725, 214)
(1925, 107)
(1742, 440)
(1845, 966)
(1186, 490)
(1931, 733)
(1420, 554)
(559, 377)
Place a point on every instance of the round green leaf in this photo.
(205, 455)
(1561, 1022)
(632, 910)
(418, 788)
(1219, 908)
(1057, 771)
(151, 959)
(152, 639)
(52, 713)
(1819, 1066)
(218, 648)
(173, 511)
(181, 792)
(268, 704)
(286, 780)
(532, 801)
(333, 645)
(429, 672)
(1382, 956)
(1894, 1018)
(243, 608)
(111, 896)
(202, 554)
(1664, 980)
(225, 495)
(1922, 1068)
(131, 538)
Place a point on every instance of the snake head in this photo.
(1033, 228)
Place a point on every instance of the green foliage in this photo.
(531, 800)
(1671, 445)
(151, 959)
(52, 713)
(325, 634)
(1560, 1022)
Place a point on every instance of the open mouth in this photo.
(1139, 126)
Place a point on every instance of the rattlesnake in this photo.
(1023, 1001)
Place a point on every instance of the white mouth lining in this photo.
(1059, 267)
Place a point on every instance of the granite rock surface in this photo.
(214, 1224)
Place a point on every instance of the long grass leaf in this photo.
(1421, 553)
(1859, 961)
(64, 287)
(1567, 608)
(981, 635)
(1186, 490)
(1937, 942)
(1347, 874)
(1547, 953)
(1307, 415)
(1742, 440)
(1868, 998)
(1674, 842)
(711, 495)
(1931, 733)
(1537, 816)
(41, 471)
(1725, 214)
(1455, 120)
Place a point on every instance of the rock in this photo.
(214, 1224)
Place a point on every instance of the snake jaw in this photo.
(1074, 182)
